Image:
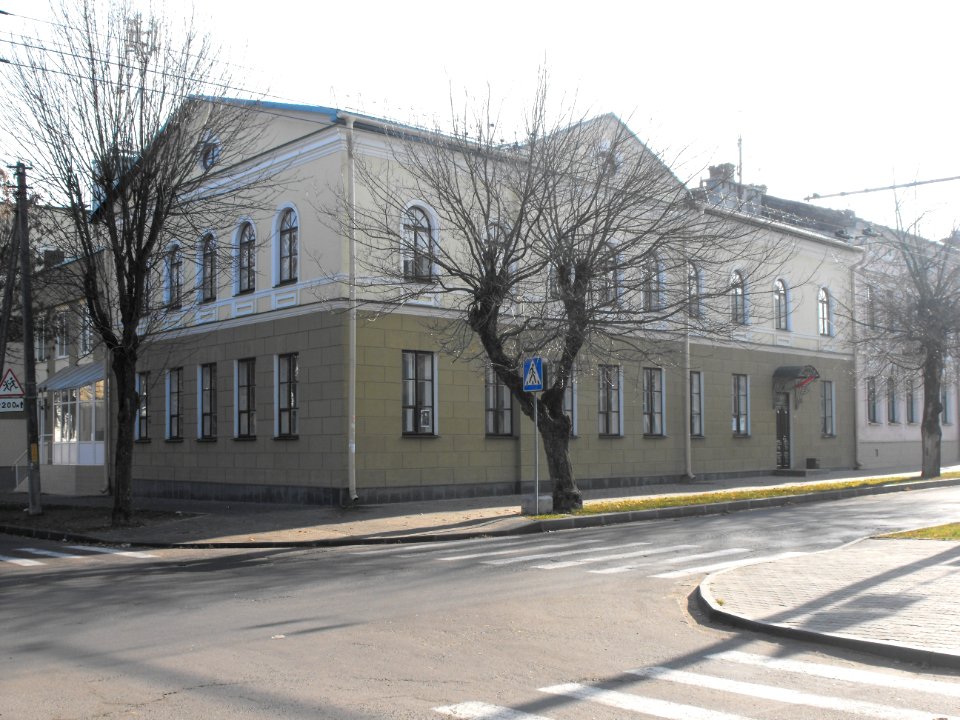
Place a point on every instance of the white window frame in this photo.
(662, 410)
(698, 399)
(435, 393)
(786, 325)
(735, 406)
(498, 421)
(744, 313)
(173, 258)
(602, 431)
(167, 433)
(945, 414)
(824, 312)
(138, 379)
(236, 399)
(201, 274)
(276, 249)
(405, 255)
(62, 330)
(910, 401)
(873, 401)
(830, 431)
(893, 405)
(295, 411)
(200, 403)
(235, 270)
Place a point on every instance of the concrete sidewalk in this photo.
(891, 597)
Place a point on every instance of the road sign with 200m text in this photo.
(11, 392)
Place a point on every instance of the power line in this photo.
(817, 196)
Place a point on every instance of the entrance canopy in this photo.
(73, 377)
(793, 377)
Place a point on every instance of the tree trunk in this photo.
(124, 371)
(556, 446)
(930, 431)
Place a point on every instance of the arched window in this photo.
(174, 278)
(781, 311)
(824, 312)
(208, 268)
(418, 248)
(693, 291)
(651, 285)
(246, 258)
(738, 299)
(289, 246)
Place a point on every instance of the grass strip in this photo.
(708, 498)
(950, 531)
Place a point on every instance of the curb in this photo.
(531, 528)
(905, 653)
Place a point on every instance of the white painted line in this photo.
(728, 564)
(19, 561)
(111, 551)
(482, 711)
(638, 704)
(865, 677)
(788, 696)
(47, 553)
(545, 556)
(617, 556)
(435, 546)
(512, 550)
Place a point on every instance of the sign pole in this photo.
(536, 455)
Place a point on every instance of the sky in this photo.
(827, 97)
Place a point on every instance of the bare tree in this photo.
(907, 318)
(576, 243)
(115, 116)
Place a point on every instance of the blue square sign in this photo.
(533, 375)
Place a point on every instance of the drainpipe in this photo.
(856, 359)
(352, 328)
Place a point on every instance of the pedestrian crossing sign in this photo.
(533, 375)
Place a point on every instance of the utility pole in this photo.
(29, 362)
(9, 280)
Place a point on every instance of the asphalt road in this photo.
(579, 624)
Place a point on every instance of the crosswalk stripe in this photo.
(111, 551)
(491, 553)
(424, 547)
(483, 711)
(616, 556)
(728, 564)
(47, 553)
(785, 695)
(19, 561)
(866, 677)
(639, 704)
(544, 556)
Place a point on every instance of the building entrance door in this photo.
(782, 407)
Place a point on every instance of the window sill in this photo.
(741, 436)
(285, 438)
(173, 440)
(698, 437)
(207, 301)
(830, 436)
(611, 436)
(249, 291)
(245, 438)
(284, 283)
(142, 441)
(206, 439)
(421, 436)
(655, 436)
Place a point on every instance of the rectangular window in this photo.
(287, 403)
(893, 415)
(207, 397)
(418, 393)
(63, 334)
(911, 401)
(499, 406)
(143, 406)
(696, 403)
(174, 394)
(609, 406)
(945, 404)
(741, 405)
(873, 409)
(652, 401)
(827, 409)
(246, 398)
(39, 338)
